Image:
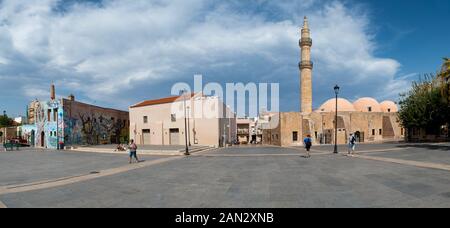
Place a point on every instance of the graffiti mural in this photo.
(92, 129)
(74, 123)
(90, 125)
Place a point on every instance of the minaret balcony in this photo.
(305, 42)
(305, 65)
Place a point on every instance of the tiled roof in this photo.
(165, 100)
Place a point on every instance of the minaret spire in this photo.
(306, 67)
(305, 23)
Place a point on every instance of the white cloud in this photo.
(107, 53)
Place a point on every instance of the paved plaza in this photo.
(381, 175)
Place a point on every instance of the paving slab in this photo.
(439, 154)
(25, 166)
(259, 181)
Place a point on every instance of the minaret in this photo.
(306, 67)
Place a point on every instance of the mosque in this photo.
(368, 119)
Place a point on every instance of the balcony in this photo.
(305, 42)
(305, 65)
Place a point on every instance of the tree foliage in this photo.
(445, 76)
(425, 106)
(5, 121)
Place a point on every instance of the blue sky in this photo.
(117, 53)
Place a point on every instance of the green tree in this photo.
(445, 75)
(5, 121)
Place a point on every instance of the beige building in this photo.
(369, 120)
(9, 133)
(249, 131)
(162, 122)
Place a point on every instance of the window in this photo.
(48, 115)
(51, 134)
(369, 109)
(173, 117)
(295, 136)
(145, 119)
(373, 131)
(389, 110)
(55, 114)
(380, 131)
(401, 131)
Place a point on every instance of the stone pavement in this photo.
(161, 150)
(250, 177)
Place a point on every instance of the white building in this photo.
(162, 122)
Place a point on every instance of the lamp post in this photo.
(189, 124)
(336, 91)
(185, 124)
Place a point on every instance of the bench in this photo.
(11, 146)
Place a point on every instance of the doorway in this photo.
(31, 142)
(174, 136)
(145, 136)
(359, 136)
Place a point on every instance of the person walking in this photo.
(307, 142)
(351, 144)
(133, 151)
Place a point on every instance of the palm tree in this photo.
(445, 71)
(445, 75)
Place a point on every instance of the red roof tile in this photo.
(165, 100)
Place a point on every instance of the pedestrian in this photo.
(133, 148)
(307, 143)
(351, 144)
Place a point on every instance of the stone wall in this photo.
(369, 127)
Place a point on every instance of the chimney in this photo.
(52, 92)
(71, 97)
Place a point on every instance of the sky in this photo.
(116, 53)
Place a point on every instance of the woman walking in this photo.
(133, 151)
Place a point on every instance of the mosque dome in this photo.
(388, 106)
(343, 106)
(367, 104)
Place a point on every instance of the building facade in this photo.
(161, 122)
(10, 133)
(367, 119)
(249, 131)
(70, 123)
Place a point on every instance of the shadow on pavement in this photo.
(426, 146)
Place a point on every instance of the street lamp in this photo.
(189, 124)
(185, 124)
(336, 91)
